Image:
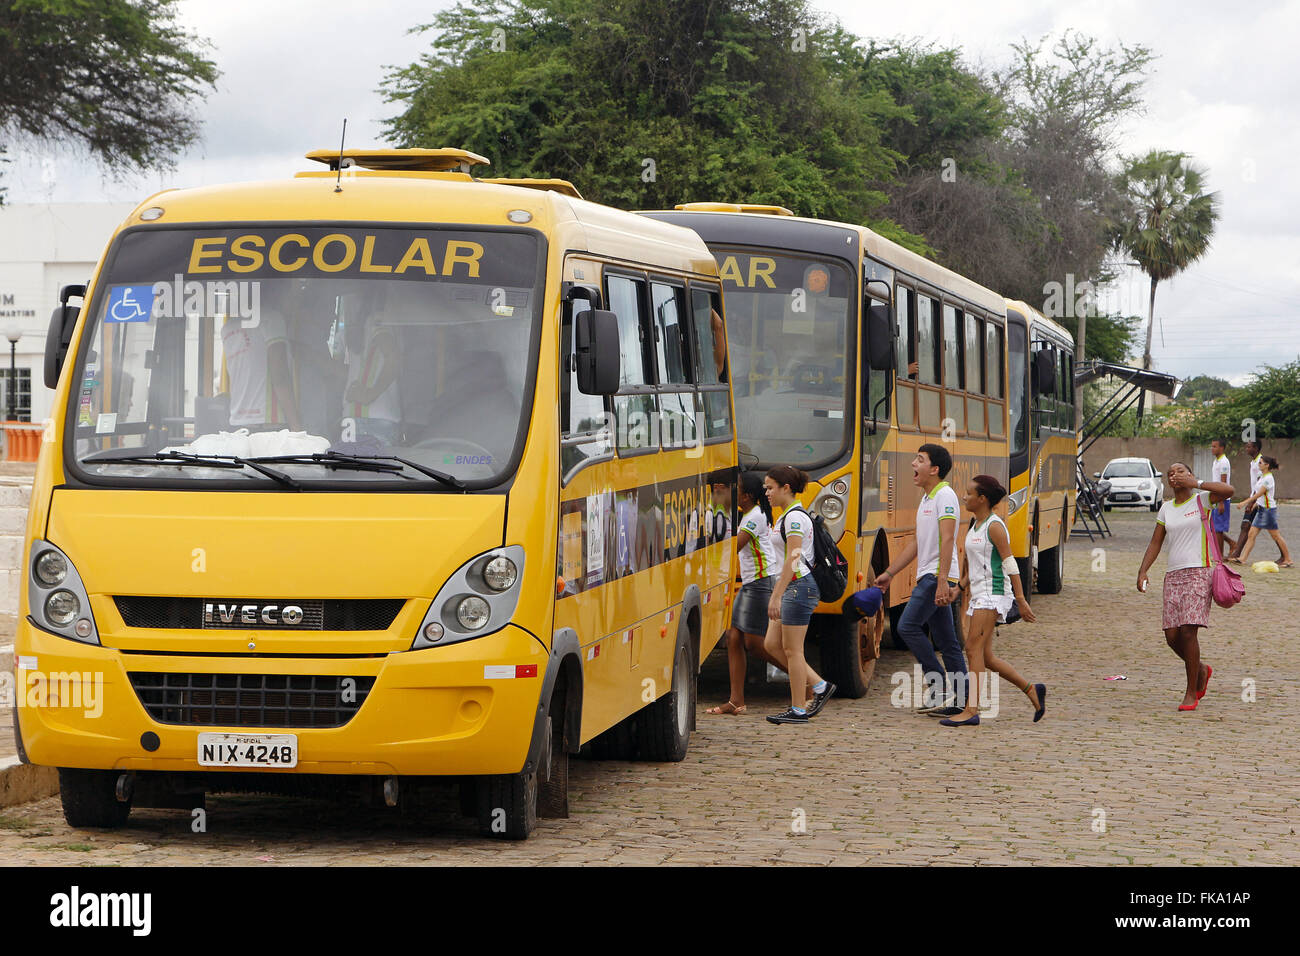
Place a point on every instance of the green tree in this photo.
(115, 77)
(649, 103)
(1203, 388)
(1271, 400)
(1168, 223)
(1110, 338)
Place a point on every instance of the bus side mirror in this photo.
(1045, 371)
(58, 338)
(880, 339)
(596, 352)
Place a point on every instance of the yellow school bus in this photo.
(373, 477)
(1044, 446)
(825, 321)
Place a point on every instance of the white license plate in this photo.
(248, 750)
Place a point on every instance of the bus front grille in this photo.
(189, 614)
(250, 700)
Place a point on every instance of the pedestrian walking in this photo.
(1255, 450)
(991, 577)
(1265, 501)
(934, 548)
(1187, 585)
(1221, 516)
(759, 562)
(794, 596)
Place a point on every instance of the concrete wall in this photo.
(1164, 451)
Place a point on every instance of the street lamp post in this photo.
(13, 334)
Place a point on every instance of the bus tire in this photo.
(665, 726)
(842, 661)
(617, 743)
(553, 775)
(507, 805)
(896, 618)
(89, 798)
(1051, 567)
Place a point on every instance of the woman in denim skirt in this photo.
(794, 596)
(759, 561)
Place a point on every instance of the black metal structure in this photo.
(1089, 512)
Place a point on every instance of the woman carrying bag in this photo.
(1188, 585)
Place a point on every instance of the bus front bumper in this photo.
(465, 709)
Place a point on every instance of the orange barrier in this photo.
(23, 441)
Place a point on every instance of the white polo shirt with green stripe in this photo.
(758, 555)
(989, 577)
(940, 504)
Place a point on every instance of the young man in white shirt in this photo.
(1221, 513)
(934, 548)
(1255, 450)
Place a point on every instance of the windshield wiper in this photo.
(366, 463)
(200, 461)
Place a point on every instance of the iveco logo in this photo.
(251, 614)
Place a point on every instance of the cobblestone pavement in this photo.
(875, 783)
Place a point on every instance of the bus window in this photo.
(676, 398)
(992, 360)
(634, 406)
(877, 380)
(952, 342)
(905, 340)
(1017, 387)
(925, 341)
(974, 379)
(1067, 390)
(708, 357)
(582, 417)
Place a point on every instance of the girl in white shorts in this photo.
(990, 576)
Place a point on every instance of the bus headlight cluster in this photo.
(479, 598)
(56, 597)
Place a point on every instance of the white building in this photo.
(43, 247)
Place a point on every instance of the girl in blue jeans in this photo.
(794, 595)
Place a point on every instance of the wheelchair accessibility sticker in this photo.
(130, 303)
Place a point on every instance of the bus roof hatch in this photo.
(733, 207)
(405, 160)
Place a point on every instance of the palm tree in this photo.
(1169, 222)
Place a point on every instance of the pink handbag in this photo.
(1225, 583)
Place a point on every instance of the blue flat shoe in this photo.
(1041, 691)
(968, 722)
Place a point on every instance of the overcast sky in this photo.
(1224, 89)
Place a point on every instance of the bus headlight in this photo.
(56, 596)
(51, 568)
(832, 509)
(478, 599)
(61, 607)
(500, 573)
(473, 613)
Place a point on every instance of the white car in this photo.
(1133, 482)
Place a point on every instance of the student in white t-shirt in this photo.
(934, 600)
(1187, 594)
(759, 562)
(1221, 471)
(1265, 501)
(256, 357)
(794, 595)
(1255, 451)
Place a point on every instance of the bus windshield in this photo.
(287, 342)
(788, 335)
